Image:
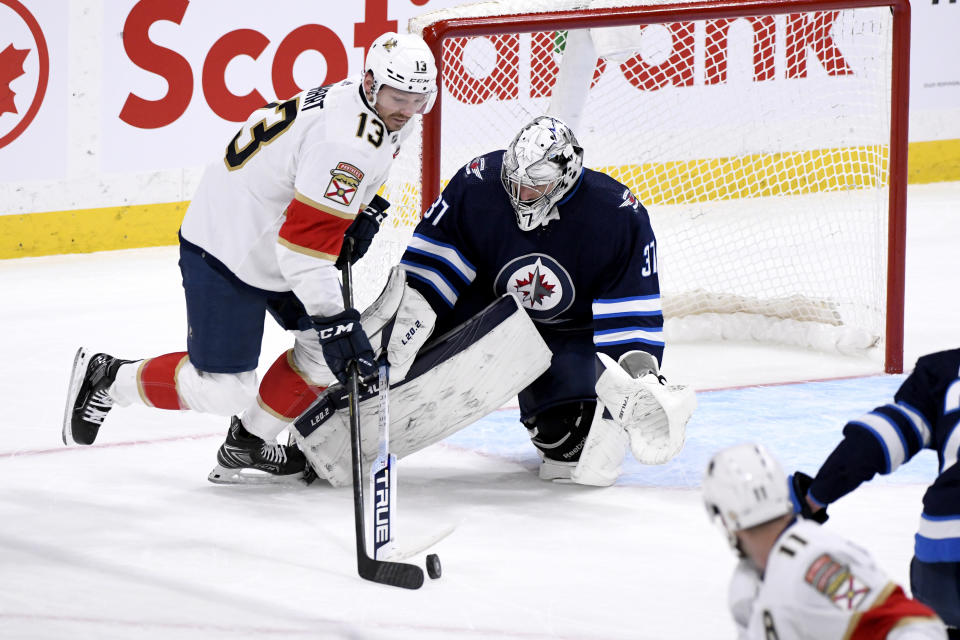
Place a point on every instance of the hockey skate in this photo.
(246, 459)
(87, 399)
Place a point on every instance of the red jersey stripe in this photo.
(888, 613)
(313, 229)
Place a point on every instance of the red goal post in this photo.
(707, 196)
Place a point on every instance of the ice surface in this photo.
(127, 539)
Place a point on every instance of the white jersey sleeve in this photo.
(819, 586)
(744, 587)
(275, 208)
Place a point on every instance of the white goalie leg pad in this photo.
(457, 379)
(404, 317)
(415, 321)
(384, 309)
(603, 452)
(653, 413)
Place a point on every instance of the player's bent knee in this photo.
(309, 361)
(222, 394)
(559, 432)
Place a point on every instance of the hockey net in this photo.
(766, 139)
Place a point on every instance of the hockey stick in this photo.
(384, 474)
(396, 574)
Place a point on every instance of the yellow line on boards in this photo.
(86, 230)
(152, 225)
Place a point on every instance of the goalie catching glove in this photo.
(653, 413)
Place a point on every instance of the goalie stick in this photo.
(396, 574)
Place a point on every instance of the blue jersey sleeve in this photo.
(627, 313)
(437, 260)
(892, 434)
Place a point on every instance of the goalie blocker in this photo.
(455, 380)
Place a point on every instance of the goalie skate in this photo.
(246, 459)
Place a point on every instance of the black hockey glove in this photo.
(343, 341)
(363, 228)
(799, 486)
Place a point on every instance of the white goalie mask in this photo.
(403, 61)
(540, 167)
(744, 486)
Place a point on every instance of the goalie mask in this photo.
(403, 61)
(744, 486)
(541, 165)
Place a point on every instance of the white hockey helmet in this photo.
(403, 61)
(745, 486)
(546, 157)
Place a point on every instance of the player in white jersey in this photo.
(263, 234)
(797, 580)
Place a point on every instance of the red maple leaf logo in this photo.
(11, 68)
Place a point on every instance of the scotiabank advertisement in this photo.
(92, 90)
(179, 74)
(103, 86)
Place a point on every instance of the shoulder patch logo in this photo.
(836, 582)
(343, 183)
(390, 44)
(629, 200)
(476, 167)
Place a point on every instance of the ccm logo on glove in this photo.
(326, 334)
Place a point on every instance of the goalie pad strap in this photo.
(455, 380)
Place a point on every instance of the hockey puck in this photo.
(433, 566)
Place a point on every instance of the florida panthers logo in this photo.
(540, 283)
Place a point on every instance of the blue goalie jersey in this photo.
(588, 279)
(925, 414)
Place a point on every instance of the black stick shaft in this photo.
(396, 574)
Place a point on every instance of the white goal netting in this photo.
(759, 145)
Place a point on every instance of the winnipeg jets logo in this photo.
(540, 283)
(534, 288)
(476, 167)
(630, 200)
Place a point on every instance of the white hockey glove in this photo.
(653, 413)
(412, 320)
